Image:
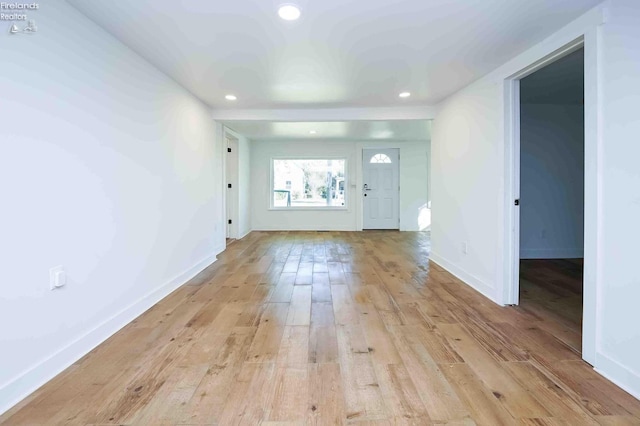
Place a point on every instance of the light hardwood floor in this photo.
(552, 289)
(331, 328)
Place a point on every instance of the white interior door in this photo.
(231, 190)
(381, 188)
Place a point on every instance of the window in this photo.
(311, 183)
(380, 158)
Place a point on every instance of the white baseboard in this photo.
(219, 249)
(312, 228)
(618, 374)
(309, 228)
(25, 383)
(565, 253)
(245, 234)
(472, 281)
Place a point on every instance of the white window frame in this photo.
(315, 208)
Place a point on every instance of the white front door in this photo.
(381, 188)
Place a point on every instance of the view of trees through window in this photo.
(308, 183)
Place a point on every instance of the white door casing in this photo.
(381, 188)
(510, 257)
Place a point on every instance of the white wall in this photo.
(551, 181)
(466, 186)
(618, 332)
(469, 170)
(413, 184)
(107, 167)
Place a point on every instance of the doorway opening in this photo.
(551, 183)
(381, 188)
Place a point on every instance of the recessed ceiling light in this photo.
(312, 132)
(404, 94)
(289, 12)
(231, 97)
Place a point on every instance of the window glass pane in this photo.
(308, 183)
(380, 158)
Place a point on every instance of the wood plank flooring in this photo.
(552, 289)
(330, 328)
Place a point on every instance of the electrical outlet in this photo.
(543, 234)
(465, 247)
(57, 277)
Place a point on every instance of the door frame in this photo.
(357, 183)
(592, 186)
(230, 197)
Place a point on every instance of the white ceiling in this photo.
(399, 130)
(341, 53)
(561, 82)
